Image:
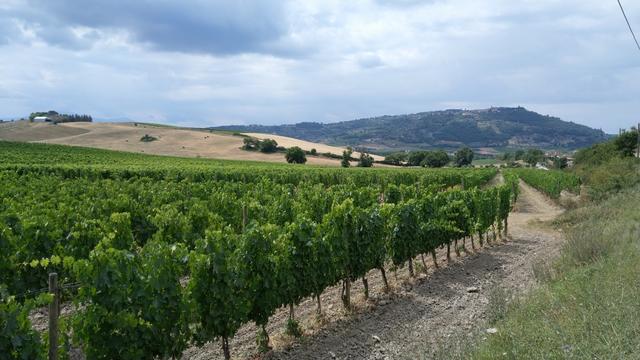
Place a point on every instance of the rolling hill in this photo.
(488, 129)
(171, 141)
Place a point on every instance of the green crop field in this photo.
(166, 252)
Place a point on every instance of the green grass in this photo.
(588, 306)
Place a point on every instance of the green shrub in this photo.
(148, 138)
(365, 160)
(611, 177)
(268, 146)
(295, 155)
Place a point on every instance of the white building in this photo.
(42, 119)
(541, 167)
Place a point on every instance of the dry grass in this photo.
(25, 131)
(171, 141)
(306, 145)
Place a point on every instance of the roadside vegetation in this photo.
(587, 303)
(610, 167)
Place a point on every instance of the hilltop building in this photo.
(42, 119)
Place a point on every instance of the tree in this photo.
(365, 160)
(416, 158)
(295, 155)
(533, 156)
(313, 152)
(346, 156)
(268, 146)
(61, 118)
(250, 143)
(507, 156)
(626, 142)
(560, 162)
(435, 159)
(396, 158)
(464, 157)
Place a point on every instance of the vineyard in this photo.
(551, 183)
(167, 252)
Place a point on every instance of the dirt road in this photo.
(420, 313)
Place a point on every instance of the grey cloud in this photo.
(216, 27)
(9, 30)
(554, 55)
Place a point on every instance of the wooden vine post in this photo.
(54, 309)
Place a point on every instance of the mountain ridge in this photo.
(495, 128)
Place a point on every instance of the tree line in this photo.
(432, 159)
(61, 118)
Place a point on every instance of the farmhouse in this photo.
(42, 119)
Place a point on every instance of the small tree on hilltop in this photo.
(295, 155)
(396, 158)
(464, 157)
(250, 143)
(366, 160)
(435, 159)
(268, 146)
(415, 158)
(346, 156)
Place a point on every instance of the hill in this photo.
(171, 141)
(494, 128)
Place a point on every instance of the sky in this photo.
(220, 62)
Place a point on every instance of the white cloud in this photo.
(318, 60)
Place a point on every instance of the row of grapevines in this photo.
(45, 215)
(74, 162)
(550, 182)
(135, 236)
(235, 277)
(122, 275)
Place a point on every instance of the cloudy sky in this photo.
(214, 62)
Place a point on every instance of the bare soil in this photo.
(420, 313)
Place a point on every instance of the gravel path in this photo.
(419, 313)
